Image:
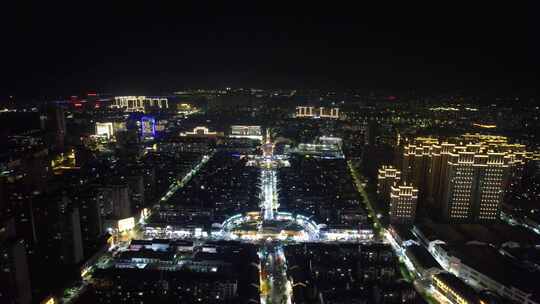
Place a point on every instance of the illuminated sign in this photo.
(126, 224)
(148, 126)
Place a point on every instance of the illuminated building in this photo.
(476, 184)
(314, 112)
(139, 103)
(104, 129)
(464, 177)
(325, 147)
(186, 108)
(14, 276)
(485, 268)
(403, 200)
(329, 140)
(200, 131)
(148, 126)
(415, 165)
(454, 289)
(386, 178)
(126, 224)
(149, 272)
(253, 132)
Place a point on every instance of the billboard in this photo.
(148, 126)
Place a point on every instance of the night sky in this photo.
(61, 49)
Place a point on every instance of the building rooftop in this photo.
(422, 257)
(495, 234)
(505, 270)
(457, 285)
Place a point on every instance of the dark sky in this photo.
(59, 49)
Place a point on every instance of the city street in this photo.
(275, 286)
(269, 199)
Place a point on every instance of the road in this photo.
(275, 285)
(371, 211)
(269, 193)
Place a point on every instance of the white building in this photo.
(483, 267)
(139, 103)
(104, 129)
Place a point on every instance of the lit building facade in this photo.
(500, 275)
(253, 132)
(454, 289)
(148, 126)
(476, 185)
(200, 131)
(105, 129)
(317, 112)
(464, 178)
(403, 200)
(386, 178)
(139, 103)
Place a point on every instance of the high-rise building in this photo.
(476, 185)
(14, 276)
(90, 215)
(148, 126)
(58, 228)
(372, 131)
(416, 164)
(387, 177)
(464, 178)
(37, 169)
(136, 191)
(403, 199)
(55, 126)
(116, 200)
